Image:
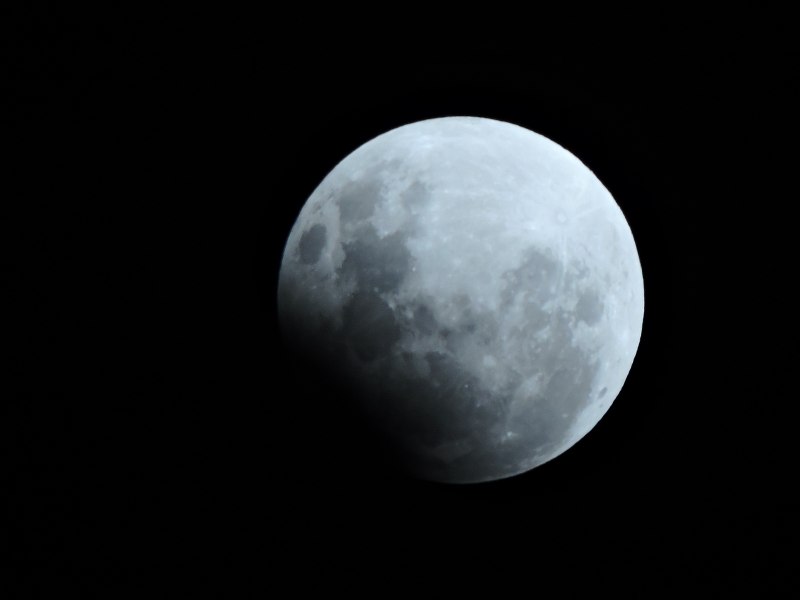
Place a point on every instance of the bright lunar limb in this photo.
(476, 285)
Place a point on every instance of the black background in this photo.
(154, 429)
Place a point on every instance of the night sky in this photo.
(153, 423)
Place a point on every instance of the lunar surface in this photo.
(475, 285)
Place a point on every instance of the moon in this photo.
(476, 287)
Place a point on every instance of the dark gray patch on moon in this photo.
(589, 308)
(480, 326)
(424, 321)
(415, 195)
(568, 388)
(487, 328)
(358, 199)
(557, 348)
(311, 244)
(377, 264)
(547, 417)
(369, 326)
(534, 318)
(536, 276)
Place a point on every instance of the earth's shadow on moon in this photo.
(339, 443)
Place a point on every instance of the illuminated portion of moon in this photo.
(477, 286)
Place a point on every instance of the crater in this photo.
(311, 244)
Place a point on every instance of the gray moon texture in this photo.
(475, 285)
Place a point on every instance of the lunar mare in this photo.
(477, 287)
